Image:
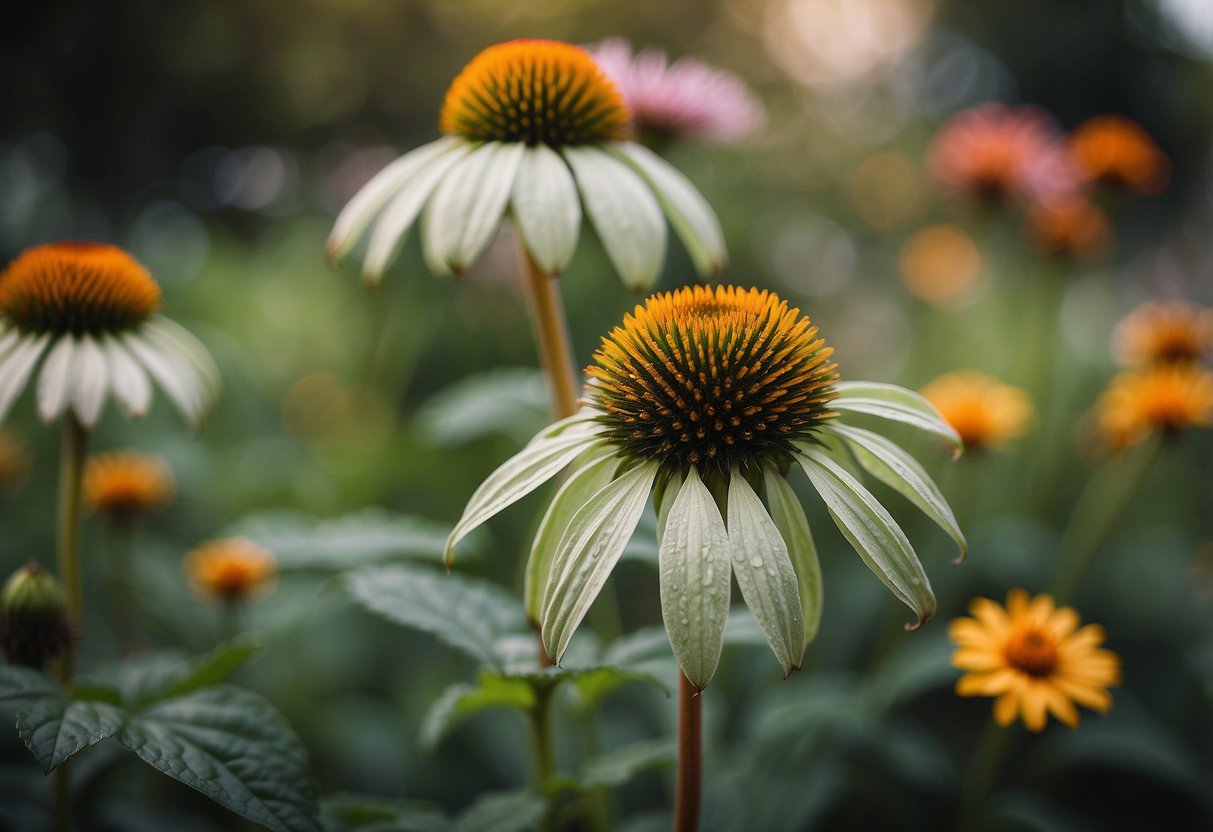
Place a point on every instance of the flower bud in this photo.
(33, 617)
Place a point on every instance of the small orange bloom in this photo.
(124, 484)
(1164, 333)
(940, 264)
(1118, 151)
(1162, 398)
(231, 569)
(1072, 228)
(984, 411)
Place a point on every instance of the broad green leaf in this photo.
(55, 729)
(357, 813)
(694, 570)
(303, 541)
(789, 517)
(546, 208)
(218, 665)
(889, 463)
(646, 650)
(587, 553)
(514, 811)
(595, 684)
(521, 474)
(460, 701)
(20, 684)
(614, 768)
(231, 745)
(512, 401)
(888, 401)
(470, 615)
(871, 531)
(136, 682)
(590, 475)
(623, 211)
(764, 574)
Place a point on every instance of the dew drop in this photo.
(756, 562)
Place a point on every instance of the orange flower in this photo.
(1034, 658)
(1164, 333)
(1118, 151)
(231, 569)
(1072, 228)
(124, 484)
(940, 265)
(1162, 398)
(984, 411)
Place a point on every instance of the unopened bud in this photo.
(33, 617)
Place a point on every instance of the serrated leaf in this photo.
(356, 813)
(231, 745)
(20, 684)
(138, 682)
(55, 729)
(302, 541)
(514, 811)
(460, 701)
(508, 400)
(470, 615)
(218, 665)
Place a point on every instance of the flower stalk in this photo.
(71, 480)
(688, 793)
(552, 337)
(542, 751)
(981, 773)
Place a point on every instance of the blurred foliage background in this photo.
(216, 140)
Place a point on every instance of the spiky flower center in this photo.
(1032, 651)
(712, 376)
(534, 91)
(77, 288)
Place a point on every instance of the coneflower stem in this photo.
(552, 335)
(118, 539)
(542, 752)
(71, 478)
(980, 775)
(1108, 495)
(688, 791)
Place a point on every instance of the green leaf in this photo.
(646, 650)
(460, 701)
(20, 684)
(514, 811)
(55, 729)
(218, 665)
(231, 745)
(546, 208)
(595, 684)
(356, 813)
(507, 400)
(871, 531)
(302, 541)
(615, 768)
(137, 682)
(764, 573)
(695, 580)
(890, 464)
(473, 616)
(888, 401)
(793, 525)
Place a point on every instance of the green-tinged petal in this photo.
(400, 214)
(593, 542)
(546, 208)
(624, 212)
(892, 465)
(170, 336)
(694, 567)
(382, 187)
(92, 381)
(57, 379)
(689, 212)
(789, 517)
(872, 532)
(173, 375)
(888, 401)
(518, 476)
(9, 338)
(15, 369)
(128, 380)
(586, 480)
(765, 574)
(468, 204)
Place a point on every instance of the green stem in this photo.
(688, 793)
(118, 538)
(1108, 495)
(543, 754)
(552, 336)
(980, 775)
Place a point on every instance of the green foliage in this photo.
(507, 400)
(354, 813)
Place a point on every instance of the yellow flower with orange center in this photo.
(1034, 658)
(91, 310)
(1118, 150)
(1164, 333)
(1072, 228)
(231, 569)
(122, 485)
(534, 130)
(985, 412)
(1160, 399)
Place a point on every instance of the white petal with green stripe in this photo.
(546, 208)
(789, 517)
(888, 401)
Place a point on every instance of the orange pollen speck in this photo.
(534, 91)
(77, 288)
(1031, 651)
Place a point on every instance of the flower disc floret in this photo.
(77, 288)
(712, 377)
(534, 91)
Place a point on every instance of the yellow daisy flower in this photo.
(985, 412)
(231, 569)
(1164, 333)
(534, 129)
(706, 398)
(1162, 398)
(1035, 658)
(124, 484)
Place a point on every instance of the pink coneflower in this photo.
(1003, 155)
(686, 99)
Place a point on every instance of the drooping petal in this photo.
(623, 211)
(57, 379)
(546, 208)
(892, 465)
(694, 563)
(793, 527)
(592, 544)
(92, 381)
(765, 574)
(888, 401)
(174, 338)
(518, 476)
(382, 187)
(584, 482)
(8, 341)
(871, 531)
(689, 212)
(468, 204)
(15, 369)
(173, 375)
(128, 379)
(400, 214)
